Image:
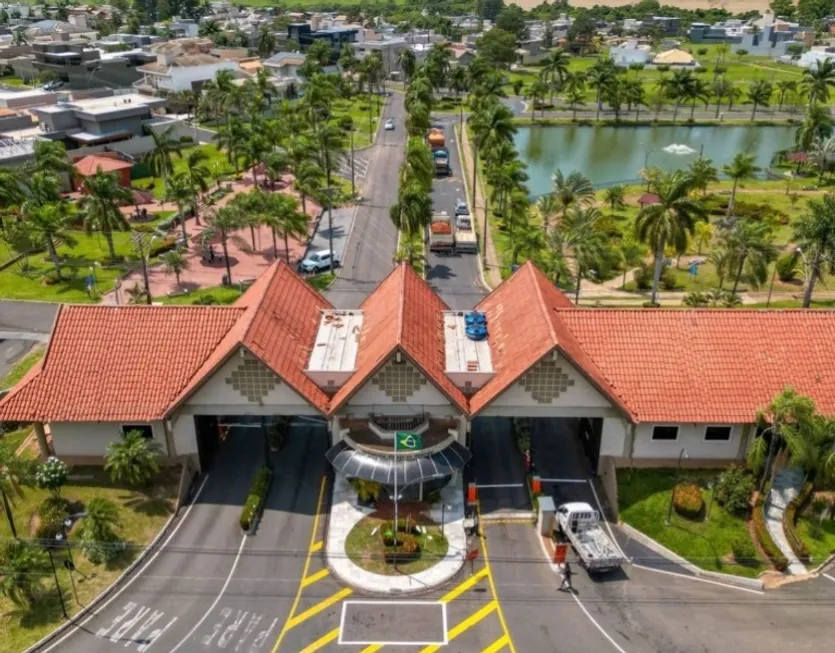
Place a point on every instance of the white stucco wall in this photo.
(92, 438)
(184, 434)
(217, 397)
(613, 437)
(690, 437)
(580, 399)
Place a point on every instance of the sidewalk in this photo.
(787, 485)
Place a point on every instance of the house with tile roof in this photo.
(636, 386)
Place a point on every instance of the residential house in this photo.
(630, 52)
(530, 52)
(182, 65)
(814, 57)
(336, 37)
(390, 49)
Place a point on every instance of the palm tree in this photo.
(742, 166)
(226, 220)
(418, 164)
(407, 62)
(632, 254)
(198, 174)
(459, 83)
(309, 182)
(99, 539)
(175, 262)
(822, 153)
(679, 87)
(670, 221)
(411, 251)
(784, 86)
(759, 94)
(814, 232)
(818, 80)
(283, 216)
(816, 126)
(266, 42)
(180, 191)
(576, 188)
(133, 459)
(100, 205)
(703, 234)
(635, 96)
(703, 173)
(697, 90)
(600, 77)
(585, 239)
(46, 223)
(536, 93)
(554, 70)
(614, 196)
(576, 97)
(51, 156)
(413, 210)
(547, 207)
(159, 158)
(24, 565)
(751, 245)
(720, 89)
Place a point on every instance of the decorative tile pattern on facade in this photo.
(546, 382)
(399, 381)
(252, 379)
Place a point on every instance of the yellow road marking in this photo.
(319, 575)
(498, 645)
(317, 546)
(463, 587)
(321, 642)
(322, 605)
(490, 522)
(306, 565)
(372, 649)
(465, 625)
(490, 580)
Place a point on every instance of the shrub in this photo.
(734, 488)
(744, 550)
(185, 138)
(701, 51)
(277, 432)
(205, 300)
(255, 498)
(720, 70)
(643, 277)
(367, 491)
(764, 537)
(53, 510)
(788, 266)
(133, 460)
(663, 68)
(405, 548)
(688, 500)
(668, 279)
(161, 246)
(790, 520)
(522, 433)
(52, 475)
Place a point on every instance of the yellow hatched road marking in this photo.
(492, 584)
(372, 649)
(465, 625)
(322, 605)
(498, 645)
(321, 642)
(463, 587)
(316, 546)
(319, 575)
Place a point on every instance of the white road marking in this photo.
(224, 615)
(154, 636)
(261, 639)
(499, 485)
(136, 636)
(217, 599)
(122, 630)
(699, 579)
(606, 522)
(102, 632)
(254, 620)
(232, 629)
(136, 575)
(829, 577)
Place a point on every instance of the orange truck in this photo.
(436, 139)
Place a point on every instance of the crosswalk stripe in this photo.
(322, 605)
(319, 575)
(465, 625)
(321, 642)
(463, 587)
(498, 645)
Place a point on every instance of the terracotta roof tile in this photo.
(90, 165)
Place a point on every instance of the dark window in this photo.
(717, 433)
(146, 430)
(665, 433)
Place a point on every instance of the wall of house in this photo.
(57, 121)
(552, 388)
(184, 434)
(613, 437)
(86, 442)
(103, 125)
(690, 437)
(182, 79)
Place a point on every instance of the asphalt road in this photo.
(211, 587)
(372, 240)
(454, 276)
(11, 351)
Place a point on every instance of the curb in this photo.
(113, 586)
(747, 583)
(519, 514)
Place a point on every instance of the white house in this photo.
(181, 66)
(625, 54)
(814, 57)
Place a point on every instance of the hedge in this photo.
(255, 498)
(772, 551)
(790, 521)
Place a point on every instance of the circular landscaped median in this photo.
(372, 546)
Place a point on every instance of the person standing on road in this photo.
(566, 578)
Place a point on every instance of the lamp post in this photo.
(682, 454)
(57, 584)
(69, 563)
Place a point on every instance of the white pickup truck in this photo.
(465, 240)
(580, 524)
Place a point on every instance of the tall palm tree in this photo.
(459, 83)
(814, 232)
(309, 182)
(547, 207)
(818, 80)
(585, 239)
(784, 86)
(600, 77)
(181, 192)
(679, 87)
(670, 221)
(331, 142)
(742, 166)
(226, 220)
(100, 205)
(51, 156)
(47, 223)
(703, 234)
(232, 138)
(635, 96)
(759, 95)
(283, 216)
(698, 90)
(418, 164)
(407, 62)
(576, 188)
(159, 158)
(24, 564)
(823, 151)
(703, 173)
(720, 88)
(751, 245)
(413, 210)
(198, 174)
(175, 262)
(817, 125)
(554, 70)
(614, 196)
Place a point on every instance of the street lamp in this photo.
(63, 536)
(57, 584)
(682, 454)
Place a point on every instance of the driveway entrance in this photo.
(561, 459)
(498, 468)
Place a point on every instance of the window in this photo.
(718, 434)
(665, 433)
(146, 430)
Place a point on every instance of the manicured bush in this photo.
(53, 510)
(99, 540)
(367, 491)
(277, 432)
(255, 498)
(744, 550)
(522, 433)
(52, 475)
(406, 548)
(734, 489)
(771, 550)
(688, 501)
(643, 277)
(790, 520)
(161, 246)
(788, 266)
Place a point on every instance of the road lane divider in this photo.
(465, 625)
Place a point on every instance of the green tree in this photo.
(24, 565)
(547, 207)
(576, 188)
(309, 182)
(51, 157)
(670, 221)
(703, 234)
(537, 92)
(266, 42)
(283, 216)
(741, 167)
(784, 86)
(554, 70)
(614, 196)
(413, 210)
(198, 174)
(814, 232)
(52, 475)
(134, 459)
(497, 47)
(160, 157)
(226, 220)
(407, 62)
(720, 89)
(180, 191)
(818, 81)
(823, 151)
(100, 541)
(100, 206)
(631, 254)
(759, 95)
(751, 245)
(47, 224)
(601, 76)
(175, 262)
(411, 251)
(585, 239)
(816, 126)
(702, 173)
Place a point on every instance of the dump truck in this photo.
(465, 239)
(441, 157)
(435, 139)
(442, 233)
(580, 524)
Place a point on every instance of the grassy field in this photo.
(644, 497)
(220, 295)
(217, 164)
(141, 517)
(822, 547)
(15, 438)
(21, 368)
(365, 121)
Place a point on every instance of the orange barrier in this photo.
(536, 485)
(560, 552)
(471, 493)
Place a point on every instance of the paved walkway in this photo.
(345, 514)
(786, 486)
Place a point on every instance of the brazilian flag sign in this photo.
(407, 442)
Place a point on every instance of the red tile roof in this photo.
(402, 314)
(522, 320)
(709, 365)
(90, 165)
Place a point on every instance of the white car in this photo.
(461, 208)
(319, 261)
(389, 125)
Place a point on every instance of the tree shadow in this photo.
(147, 505)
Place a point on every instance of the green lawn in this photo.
(358, 109)
(824, 546)
(644, 497)
(366, 549)
(21, 368)
(11, 80)
(141, 517)
(217, 164)
(15, 438)
(220, 295)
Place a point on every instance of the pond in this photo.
(610, 155)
